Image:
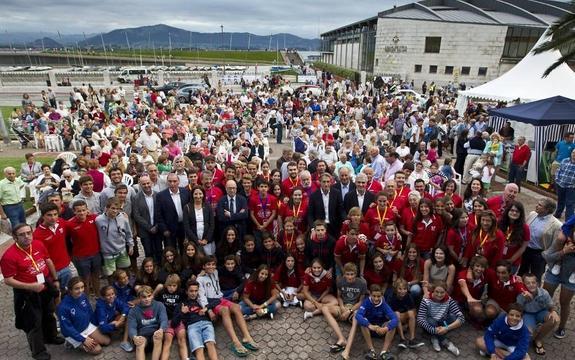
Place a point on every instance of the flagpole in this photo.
(104, 47)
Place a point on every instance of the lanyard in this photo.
(292, 183)
(264, 205)
(296, 213)
(290, 242)
(482, 241)
(379, 217)
(29, 255)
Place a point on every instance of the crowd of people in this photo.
(174, 217)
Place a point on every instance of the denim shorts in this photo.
(533, 319)
(88, 265)
(199, 333)
(553, 279)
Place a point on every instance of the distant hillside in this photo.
(162, 36)
(45, 43)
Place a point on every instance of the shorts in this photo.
(534, 319)
(374, 334)
(112, 262)
(175, 330)
(224, 303)
(64, 276)
(499, 344)
(199, 333)
(553, 279)
(87, 265)
(85, 333)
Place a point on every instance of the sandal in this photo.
(239, 351)
(335, 348)
(539, 349)
(252, 346)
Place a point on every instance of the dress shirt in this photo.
(150, 203)
(178, 204)
(536, 228)
(360, 198)
(325, 199)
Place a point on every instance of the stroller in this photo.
(23, 138)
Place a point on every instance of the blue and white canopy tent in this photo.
(542, 122)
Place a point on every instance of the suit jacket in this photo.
(316, 210)
(351, 201)
(25, 170)
(141, 213)
(190, 225)
(337, 186)
(165, 212)
(239, 218)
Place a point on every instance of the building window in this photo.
(482, 71)
(432, 44)
(376, 62)
(433, 69)
(465, 70)
(448, 70)
(418, 68)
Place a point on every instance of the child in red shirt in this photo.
(458, 236)
(502, 289)
(390, 244)
(263, 209)
(317, 285)
(376, 217)
(427, 229)
(470, 286)
(260, 295)
(486, 240)
(349, 248)
(288, 282)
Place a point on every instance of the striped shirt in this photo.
(432, 314)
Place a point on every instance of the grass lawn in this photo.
(255, 56)
(6, 111)
(15, 162)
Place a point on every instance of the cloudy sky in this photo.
(305, 18)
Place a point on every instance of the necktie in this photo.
(232, 205)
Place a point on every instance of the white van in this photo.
(130, 74)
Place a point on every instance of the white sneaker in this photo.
(271, 316)
(482, 353)
(451, 347)
(435, 344)
(307, 315)
(285, 304)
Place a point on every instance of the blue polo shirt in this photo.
(563, 150)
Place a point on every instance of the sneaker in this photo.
(414, 344)
(68, 346)
(271, 316)
(482, 353)
(250, 317)
(300, 303)
(371, 355)
(127, 347)
(285, 304)
(386, 355)
(403, 344)
(559, 334)
(307, 315)
(435, 344)
(451, 347)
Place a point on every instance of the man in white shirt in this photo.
(169, 214)
(143, 214)
(150, 141)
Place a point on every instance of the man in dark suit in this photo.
(344, 185)
(169, 213)
(326, 204)
(144, 217)
(360, 197)
(232, 210)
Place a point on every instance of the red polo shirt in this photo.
(84, 235)
(349, 253)
(55, 243)
(263, 208)
(299, 213)
(316, 286)
(497, 205)
(426, 234)
(503, 293)
(288, 185)
(475, 287)
(256, 291)
(376, 219)
(521, 154)
(16, 263)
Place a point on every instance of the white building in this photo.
(469, 41)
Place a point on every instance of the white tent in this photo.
(524, 82)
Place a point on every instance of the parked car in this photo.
(407, 93)
(173, 85)
(183, 92)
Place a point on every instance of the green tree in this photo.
(562, 39)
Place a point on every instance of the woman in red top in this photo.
(316, 289)
(98, 177)
(427, 229)
(288, 282)
(260, 295)
(287, 237)
(448, 190)
(486, 240)
(457, 236)
(354, 218)
(517, 234)
(412, 271)
(471, 285)
(478, 206)
(378, 273)
(408, 215)
(377, 216)
(295, 208)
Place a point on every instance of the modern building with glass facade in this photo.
(469, 41)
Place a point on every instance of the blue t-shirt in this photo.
(563, 150)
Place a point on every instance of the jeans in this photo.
(279, 134)
(416, 291)
(516, 174)
(565, 200)
(64, 276)
(15, 213)
(246, 310)
(532, 261)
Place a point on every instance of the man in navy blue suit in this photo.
(169, 214)
(232, 209)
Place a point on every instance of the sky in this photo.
(262, 17)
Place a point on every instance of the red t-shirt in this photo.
(256, 291)
(347, 253)
(16, 263)
(55, 243)
(399, 203)
(217, 178)
(406, 218)
(374, 186)
(409, 274)
(492, 249)
(475, 287)
(458, 239)
(426, 234)
(84, 235)
(288, 185)
(287, 241)
(403, 193)
(375, 219)
(504, 293)
(299, 213)
(378, 277)
(472, 224)
(213, 195)
(457, 200)
(287, 278)
(363, 228)
(385, 243)
(496, 204)
(510, 249)
(263, 208)
(316, 285)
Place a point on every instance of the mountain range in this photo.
(161, 36)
